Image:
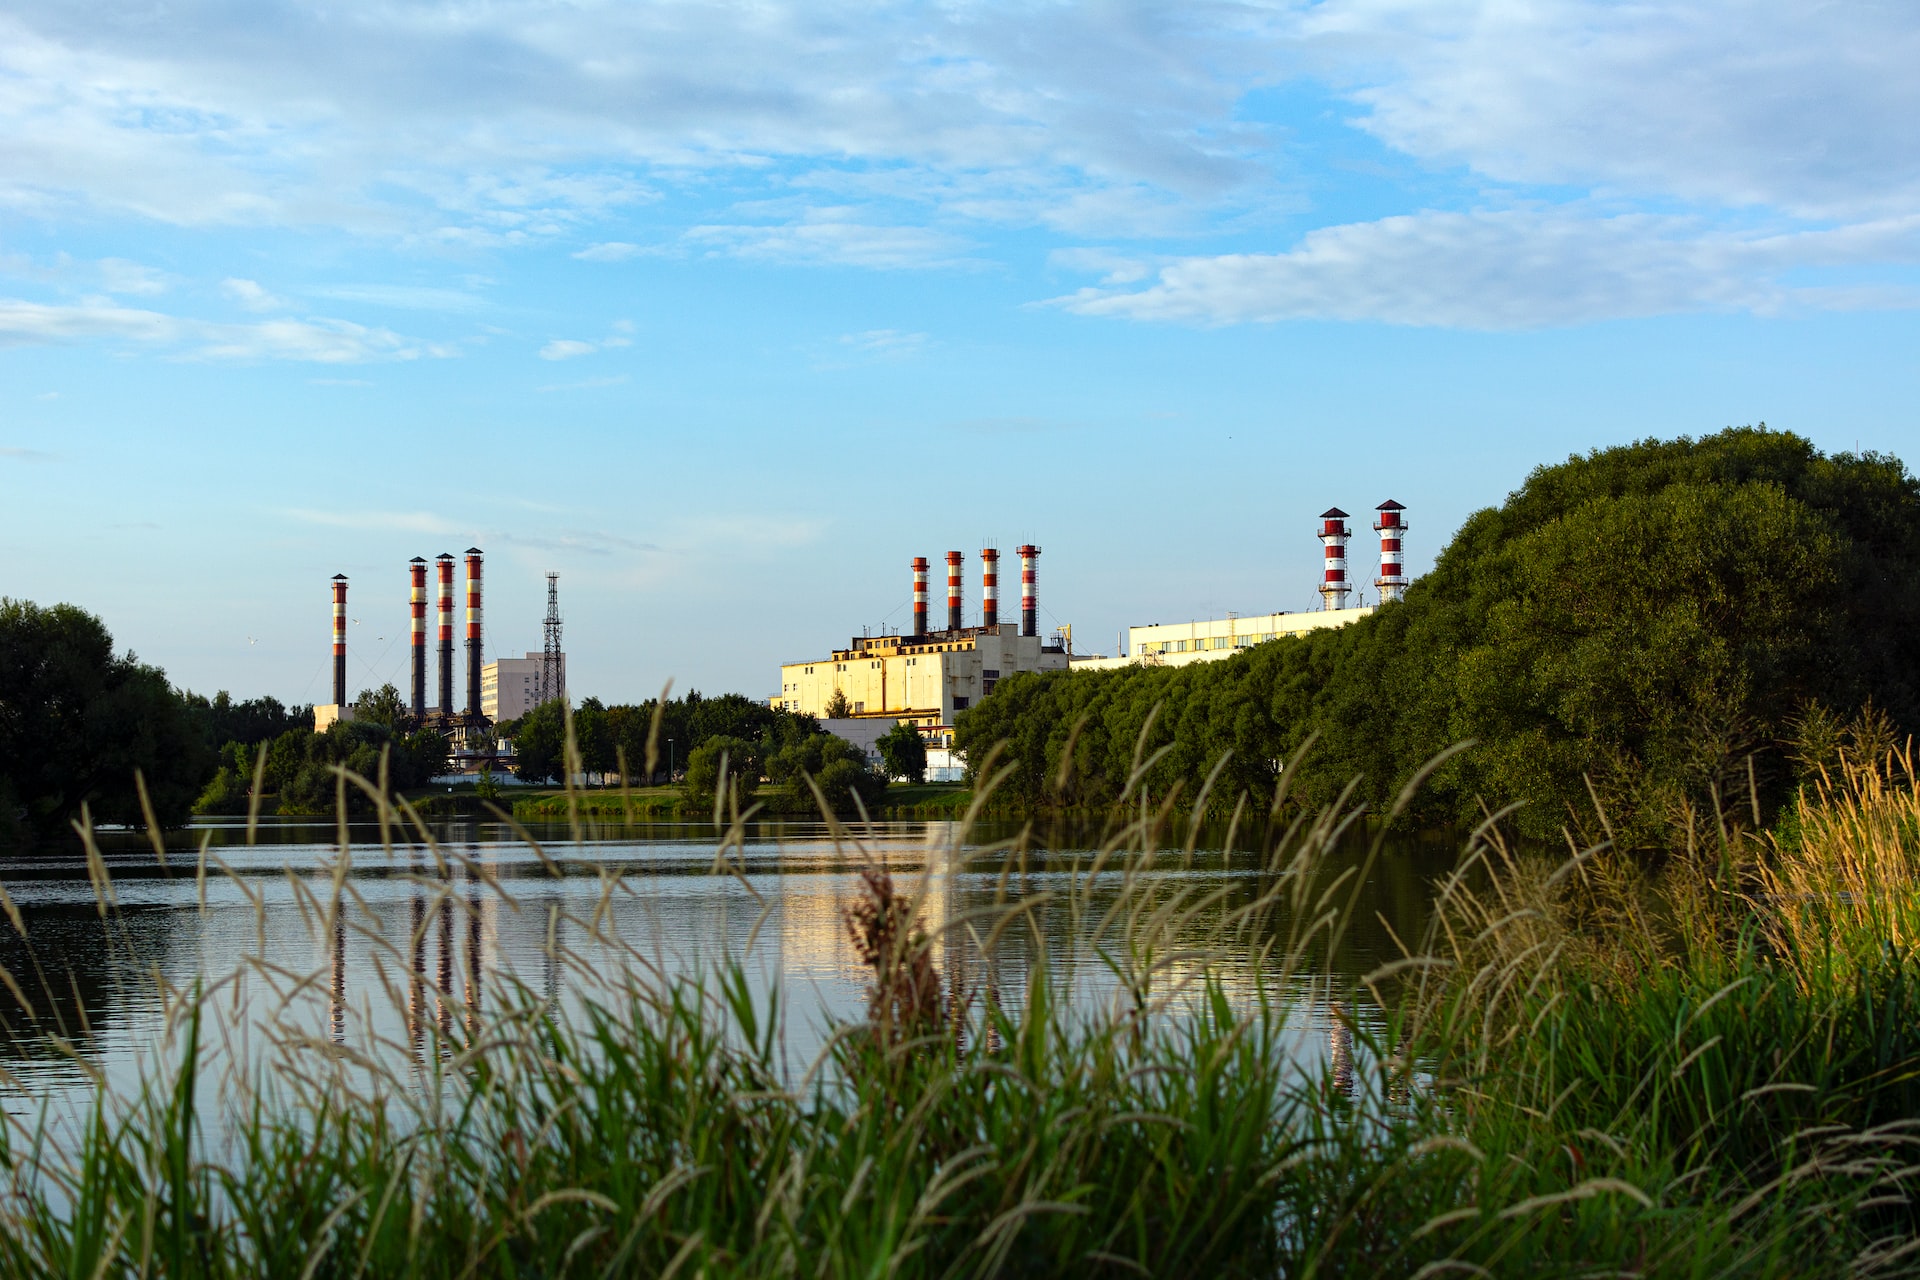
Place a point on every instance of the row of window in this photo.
(1207, 642)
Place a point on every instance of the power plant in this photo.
(927, 677)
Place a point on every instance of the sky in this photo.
(725, 311)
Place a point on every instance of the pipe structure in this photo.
(1029, 589)
(1333, 536)
(1392, 582)
(445, 563)
(339, 639)
(989, 587)
(919, 595)
(418, 568)
(955, 563)
(473, 633)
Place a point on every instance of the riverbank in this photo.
(1582, 1066)
(934, 800)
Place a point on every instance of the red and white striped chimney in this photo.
(989, 587)
(1392, 581)
(418, 603)
(956, 563)
(919, 595)
(1333, 535)
(1029, 589)
(473, 632)
(339, 639)
(445, 562)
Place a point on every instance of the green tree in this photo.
(593, 737)
(383, 706)
(703, 770)
(1645, 624)
(838, 708)
(540, 743)
(837, 766)
(77, 721)
(905, 752)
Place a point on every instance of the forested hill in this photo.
(1667, 619)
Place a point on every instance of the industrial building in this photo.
(1181, 643)
(511, 687)
(927, 677)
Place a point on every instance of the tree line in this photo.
(1660, 632)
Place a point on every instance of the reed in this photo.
(1527, 1091)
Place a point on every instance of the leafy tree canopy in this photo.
(78, 720)
(904, 751)
(1647, 625)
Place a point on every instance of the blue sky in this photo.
(725, 312)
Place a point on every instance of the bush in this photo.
(905, 752)
(837, 766)
(703, 771)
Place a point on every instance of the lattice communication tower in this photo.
(553, 671)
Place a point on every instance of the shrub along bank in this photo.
(1650, 626)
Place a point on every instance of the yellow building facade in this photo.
(924, 680)
(1176, 644)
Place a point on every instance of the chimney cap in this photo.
(473, 551)
(444, 555)
(418, 560)
(339, 577)
(1333, 513)
(1389, 505)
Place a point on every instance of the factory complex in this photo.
(927, 677)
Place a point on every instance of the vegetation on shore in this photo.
(1583, 1067)
(1650, 626)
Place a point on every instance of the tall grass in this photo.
(1579, 1071)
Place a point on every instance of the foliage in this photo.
(607, 736)
(834, 765)
(411, 760)
(383, 706)
(1647, 619)
(78, 721)
(905, 752)
(838, 708)
(740, 759)
(249, 722)
(1561, 1081)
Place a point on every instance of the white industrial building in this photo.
(510, 687)
(1176, 644)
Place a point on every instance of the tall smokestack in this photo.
(339, 639)
(1029, 592)
(444, 561)
(1333, 535)
(919, 595)
(418, 568)
(1392, 581)
(955, 561)
(473, 632)
(989, 587)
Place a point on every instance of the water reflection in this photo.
(645, 896)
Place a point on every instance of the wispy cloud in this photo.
(610, 251)
(14, 453)
(567, 349)
(591, 542)
(834, 237)
(117, 275)
(403, 297)
(1515, 270)
(891, 344)
(249, 294)
(320, 340)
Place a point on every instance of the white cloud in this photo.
(117, 275)
(249, 294)
(611, 251)
(889, 343)
(1515, 270)
(1811, 108)
(403, 297)
(834, 236)
(322, 341)
(567, 349)
(15, 454)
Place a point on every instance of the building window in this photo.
(989, 674)
(960, 704)
(858, 707)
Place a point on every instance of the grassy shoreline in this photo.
(1586, 1066)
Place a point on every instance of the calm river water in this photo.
(420, 942)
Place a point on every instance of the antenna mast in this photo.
(553, 675)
